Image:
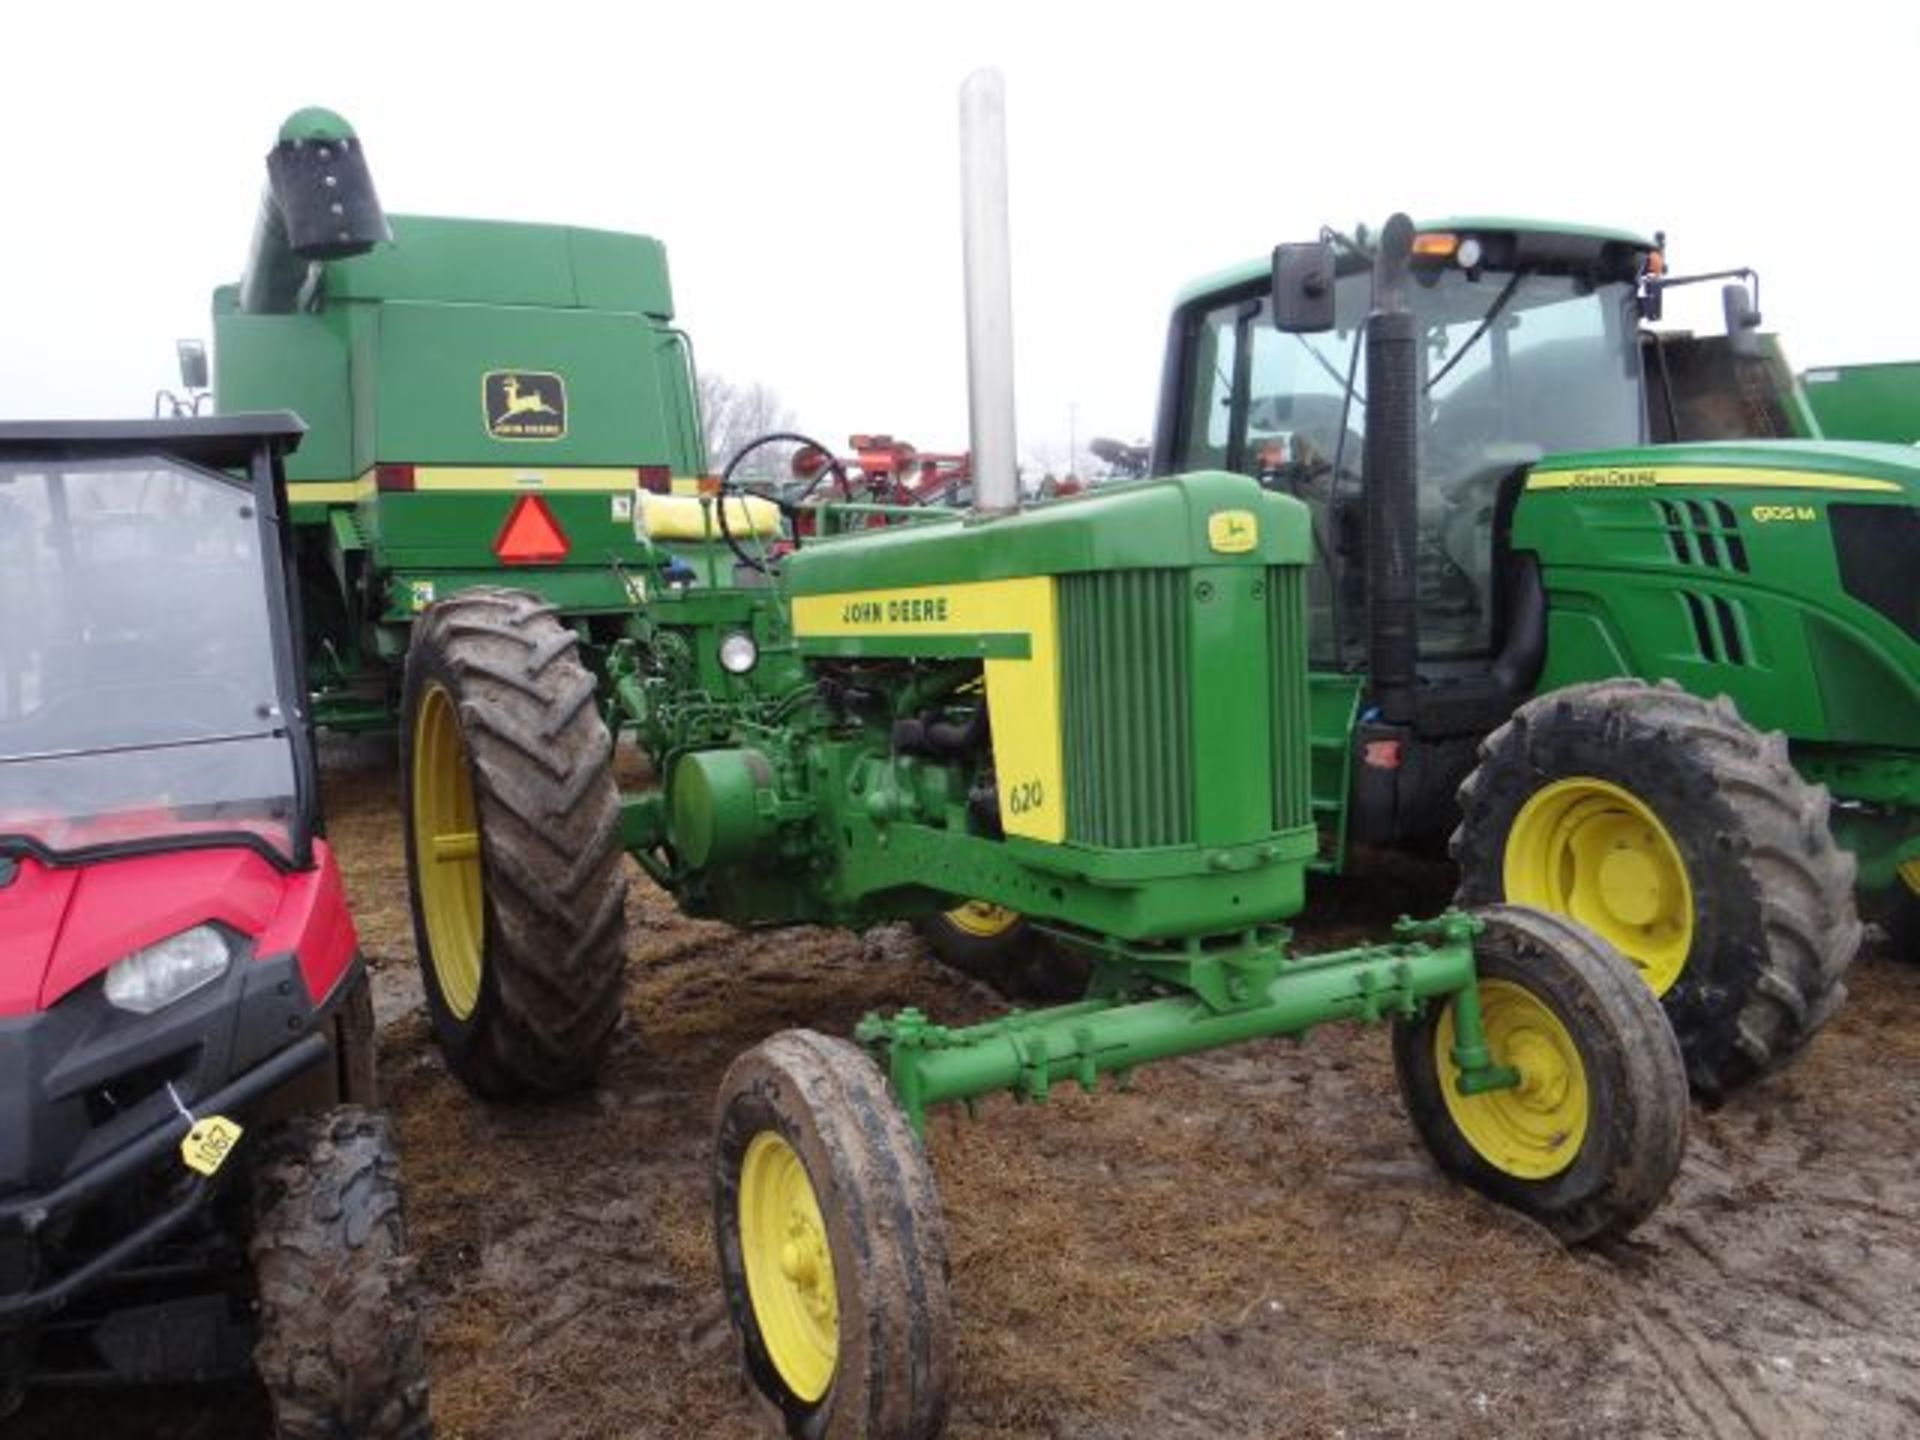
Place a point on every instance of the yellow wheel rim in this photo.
(789, 1265)
(1592, 851)
(1910, 872)
(446, 847)
(1535, 1129)
(980, 919)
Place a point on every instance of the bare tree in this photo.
(734, 414)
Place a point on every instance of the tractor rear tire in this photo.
(514, 865)
(341, 1350)
(1592, 1138)
(1683, 837)
(833, 1248)
(1004, 951)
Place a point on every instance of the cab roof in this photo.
(1247, 272)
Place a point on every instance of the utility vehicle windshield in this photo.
(138, 691)
(1516, 364)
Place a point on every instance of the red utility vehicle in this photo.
(191, 1183)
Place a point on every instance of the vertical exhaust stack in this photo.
(319, 204)
(989, 270)
(1392, 471)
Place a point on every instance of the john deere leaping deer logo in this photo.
(524, 404)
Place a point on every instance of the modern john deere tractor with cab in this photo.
(191, 1183)
(1669, 663)
(1095, 711)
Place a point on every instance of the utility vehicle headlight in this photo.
(168, 970)
(738, 653)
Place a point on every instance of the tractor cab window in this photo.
(1296, 432)
(1705, 387)
(139, 696)
(1515, 365)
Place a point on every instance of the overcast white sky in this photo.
(800, 162)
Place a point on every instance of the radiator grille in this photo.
(1292, 749)
(1126, 668)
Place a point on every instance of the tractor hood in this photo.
(1777, 573)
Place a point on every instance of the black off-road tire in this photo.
(1775, 924)
(541, 763)
(1637, 1086)
(886, 1235)
(341, 1349)
(1021, 963)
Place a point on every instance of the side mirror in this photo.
(193, 363)
(1743, 319)
(1303, 288)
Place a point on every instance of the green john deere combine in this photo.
(482, 398)
(1581, 519)
(1094, 711)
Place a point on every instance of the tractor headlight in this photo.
(738, 653)
(155, 977)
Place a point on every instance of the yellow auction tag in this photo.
(209, 1143)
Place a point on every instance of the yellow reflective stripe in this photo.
(328, 492)
(1640, 477)
(601, 480)
(1023, 695)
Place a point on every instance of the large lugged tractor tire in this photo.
(1002, 949)
(341, 1351)
(1684, 838)
(1591, 1138)
(833, 1249)
(513, 845)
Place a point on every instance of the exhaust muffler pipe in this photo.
(1392, 471)
(989, 271)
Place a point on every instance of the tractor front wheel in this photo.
(512, 822)
(1685, 839)
(833, 1250)
(1002, 949)
(341, 1349)
(1589, 1139)
(1898, 912)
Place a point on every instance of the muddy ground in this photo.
(1250, 1244)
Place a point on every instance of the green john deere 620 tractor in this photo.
(1651, 675)
(1095, 711)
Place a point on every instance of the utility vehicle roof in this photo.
(218, 442)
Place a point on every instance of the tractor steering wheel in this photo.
(788, 508)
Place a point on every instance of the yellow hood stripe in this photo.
(1644, 477)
